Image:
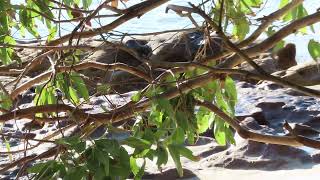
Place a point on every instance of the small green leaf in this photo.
(136, 170)
(136, 97)
(52, 33)
(137, 143)
(70, 141)
(86, 3)
(187, 153)
(73, 95)
(219, 131)
(314, 49)
(278, 46)
(8, 147)
(80, 85)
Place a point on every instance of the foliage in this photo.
(163, 130)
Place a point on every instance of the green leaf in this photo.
(37, 168)
(70, 141)
(136, 170)
(204, 120)
(8, 147)
(6, 102)
(162, 155)
(80, 85)
(52, 33)
(187, 153)
(314, 49)
(136, 97)
(75, 173)
(178, 136)
(86, 3)
(174, 152)
(219, 131)
(137, 143)
(103, 159)
(103, 89)
(182, 119)
(134, 166)
(110, 146)
(166, 107)
(278, 46)
(156, 116)
(73, 95)
(231, 91)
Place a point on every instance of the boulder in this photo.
(112, 55)
(284, 60)
(286, 57)
(306, 74)
(182, 47)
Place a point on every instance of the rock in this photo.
(255, 155)
(306, 74)
(140, 47)
(305, 130)
(170, 174)
(287, 57)
(268, 64)
(181, 47)
(8, 125)
(116, 79)
(170, 47)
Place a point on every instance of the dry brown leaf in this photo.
(115, 3)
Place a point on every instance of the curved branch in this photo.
(274, 39)
(106, 67)
(31, 111)
(267, 21)
(264, 138)
(246, 133)
(81, 66)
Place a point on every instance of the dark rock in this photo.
(182, 47)
(270, 105)
(287, 56)
(169, 174)
(8, 125)
(314, 123)
(305, 130)
(43, 131)
(98, 132)
(140, 47)
(251, 123)
(61, 124)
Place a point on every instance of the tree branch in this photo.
(134, 11)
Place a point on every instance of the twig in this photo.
(267, 21)
(81, 66)
(134, 11)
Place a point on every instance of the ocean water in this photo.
(159, 20)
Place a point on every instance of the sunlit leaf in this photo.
(314, 49)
